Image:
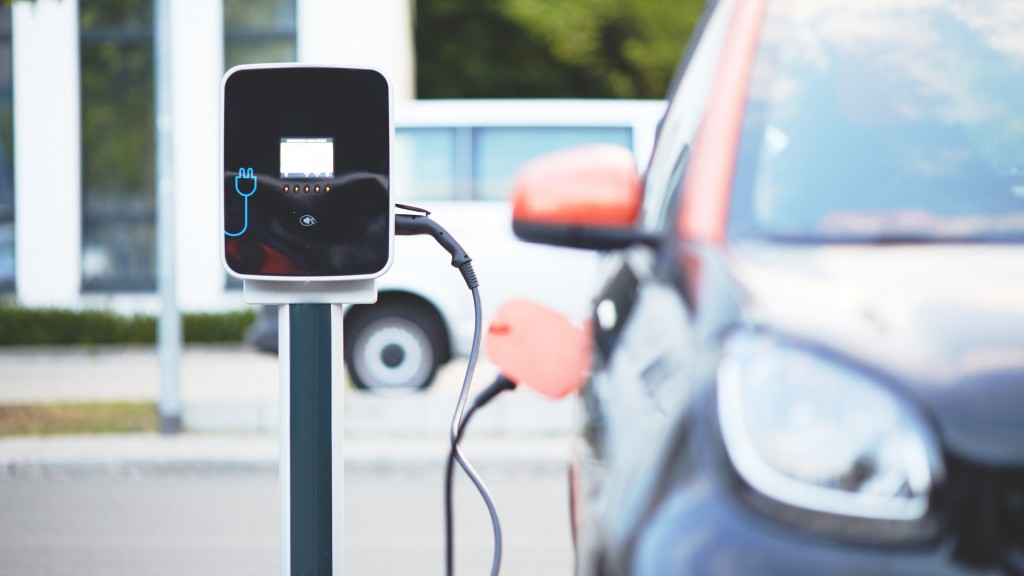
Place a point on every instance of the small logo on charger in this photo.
(307, 220)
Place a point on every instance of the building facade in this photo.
(78, 221)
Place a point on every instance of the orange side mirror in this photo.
(582, 197)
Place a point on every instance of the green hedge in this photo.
(48, 326)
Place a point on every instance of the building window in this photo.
(257, 32)
(118, 145)
(6, 154)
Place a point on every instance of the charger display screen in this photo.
(307, 157)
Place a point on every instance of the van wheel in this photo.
(394, 346)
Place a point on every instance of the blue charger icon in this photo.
(245, 186)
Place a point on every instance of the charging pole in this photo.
(310, 467)
(308, 225)
(312, 433)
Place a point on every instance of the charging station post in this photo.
(312, 461)
(308, 224)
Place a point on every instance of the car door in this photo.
(644, 344)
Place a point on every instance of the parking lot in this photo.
(207, 502)
(195, 521)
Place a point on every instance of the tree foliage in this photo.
(550, 48)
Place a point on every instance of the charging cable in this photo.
(500, 384)
(421, 224)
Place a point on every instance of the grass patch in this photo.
(79, 418)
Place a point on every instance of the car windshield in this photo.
(884, 120)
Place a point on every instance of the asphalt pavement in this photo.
(220, 522)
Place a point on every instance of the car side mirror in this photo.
(584, 197)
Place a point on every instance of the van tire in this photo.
(394, 346)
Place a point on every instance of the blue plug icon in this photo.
(245, 185)
(245, 180)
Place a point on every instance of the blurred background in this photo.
(84, 471)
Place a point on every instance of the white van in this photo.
(457, 158)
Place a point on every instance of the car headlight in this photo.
(815, 435)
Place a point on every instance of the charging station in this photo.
(308, 224)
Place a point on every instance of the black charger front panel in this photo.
(306, 169)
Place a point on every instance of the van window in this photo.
(424, 164)
(498, 152)
(429, 160)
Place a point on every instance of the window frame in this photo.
(141, 210)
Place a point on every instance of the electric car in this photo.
(808, 350)
(457, 159)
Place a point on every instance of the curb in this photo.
(152, 453)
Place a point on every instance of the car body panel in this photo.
(944, 322)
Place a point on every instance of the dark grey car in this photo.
(809, 350)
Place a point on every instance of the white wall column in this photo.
(47, 158)
(197, 40)
(358, 33)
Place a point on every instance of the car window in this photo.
(878, 121)
(671, 201)
(499, 152)
(424, 167)
(683, 118)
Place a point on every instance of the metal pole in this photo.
(312, 463)
(169, 325)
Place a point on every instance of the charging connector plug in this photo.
(421, 224)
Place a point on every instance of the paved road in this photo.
(225, 523)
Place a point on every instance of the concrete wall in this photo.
(197, 67)
(359, 33)
(48, 188)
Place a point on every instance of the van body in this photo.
(457, 159)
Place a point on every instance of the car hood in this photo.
(944, 322)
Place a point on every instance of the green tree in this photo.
(550, 48)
